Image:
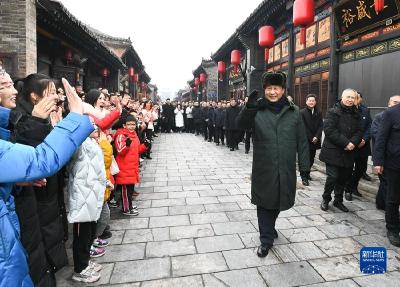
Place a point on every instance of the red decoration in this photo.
(68, 56)
(266, 38)
(235, 59)
(196, 81)
(303, 15)
(105, 72)
(195, 89)
(136, 78)
(221, 69)
(379, 5)
(131, 72)
(203, 78)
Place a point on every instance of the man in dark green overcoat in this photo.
(279, 135)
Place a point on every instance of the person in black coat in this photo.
(362, 152)
(386, 157)
(168, 116)
(41, 209)
(313, 123)
(204, 119)
(343, 133)
(211, 124)
(219, 117)
(231, 127)
(196, 113)
(375, 127)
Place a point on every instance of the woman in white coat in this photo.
(179, 118)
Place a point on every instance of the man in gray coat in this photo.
(279, 135)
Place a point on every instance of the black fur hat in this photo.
(274, 78)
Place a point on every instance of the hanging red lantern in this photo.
(203, 77)
(136, 78)
(303, 15)
(105, 72)
(266, 38)
(131, 72)
(235, 59)
(196, 81)
(221, 69)
(379, 5)
(68, 56)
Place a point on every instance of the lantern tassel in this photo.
(235, 69)
(266, 55)
(220, 77)
(303, 36)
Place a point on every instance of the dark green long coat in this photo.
(277, 139)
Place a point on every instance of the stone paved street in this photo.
(197, 228)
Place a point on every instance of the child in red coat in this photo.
(128, 149)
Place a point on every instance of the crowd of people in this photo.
(59, 142)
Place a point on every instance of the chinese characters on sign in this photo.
(310, 36)
(324, 29)
(356, 16)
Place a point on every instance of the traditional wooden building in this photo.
(53, 42)
(207, 90)
(349, 45)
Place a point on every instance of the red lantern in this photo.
(379, 5)
(196, 81)
(131, 72)
(235, 59)
(203, 78)
(303, 15)
(136, 78)
(105, 72)
(266, 38)
(68, 56)
(221, 69)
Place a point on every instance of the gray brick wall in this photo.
(18, 35)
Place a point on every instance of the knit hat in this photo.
(92, 96)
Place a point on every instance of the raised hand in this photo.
(74, 101)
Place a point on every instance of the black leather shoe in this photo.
(275, 234)
(305, 182)
(232, 149)
(348, 196)
(324, 205)
(366, 177)
(357, 193)
(340, 206)
(309, 178)
(246, 152)
(262, 251)
(106, 234)
(394, 238)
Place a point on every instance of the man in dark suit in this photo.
(313, 123)
(386, 157)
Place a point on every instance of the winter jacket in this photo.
(128, 156)
(366, 121)
(179, 122)
(342, 126)
(278, 138)
(376, 126)
(24, 164)
(219, 117)
(387, 143)
(86, 183)
(107, 150)
(211, 116)
(230, 118)
(189, 112)
(40, 209)
(313, 125)
(196, 112)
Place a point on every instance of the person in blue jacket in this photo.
(25, 164)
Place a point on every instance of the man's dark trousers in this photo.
(266, 225)
(83, 234)
(360, 167)
(336, 180)
(381, 195)
(392, 200)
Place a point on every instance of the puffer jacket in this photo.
(128, 156)
(86, 183)
(107, 149)
(24, 164)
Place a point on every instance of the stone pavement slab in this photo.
(197, 227)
